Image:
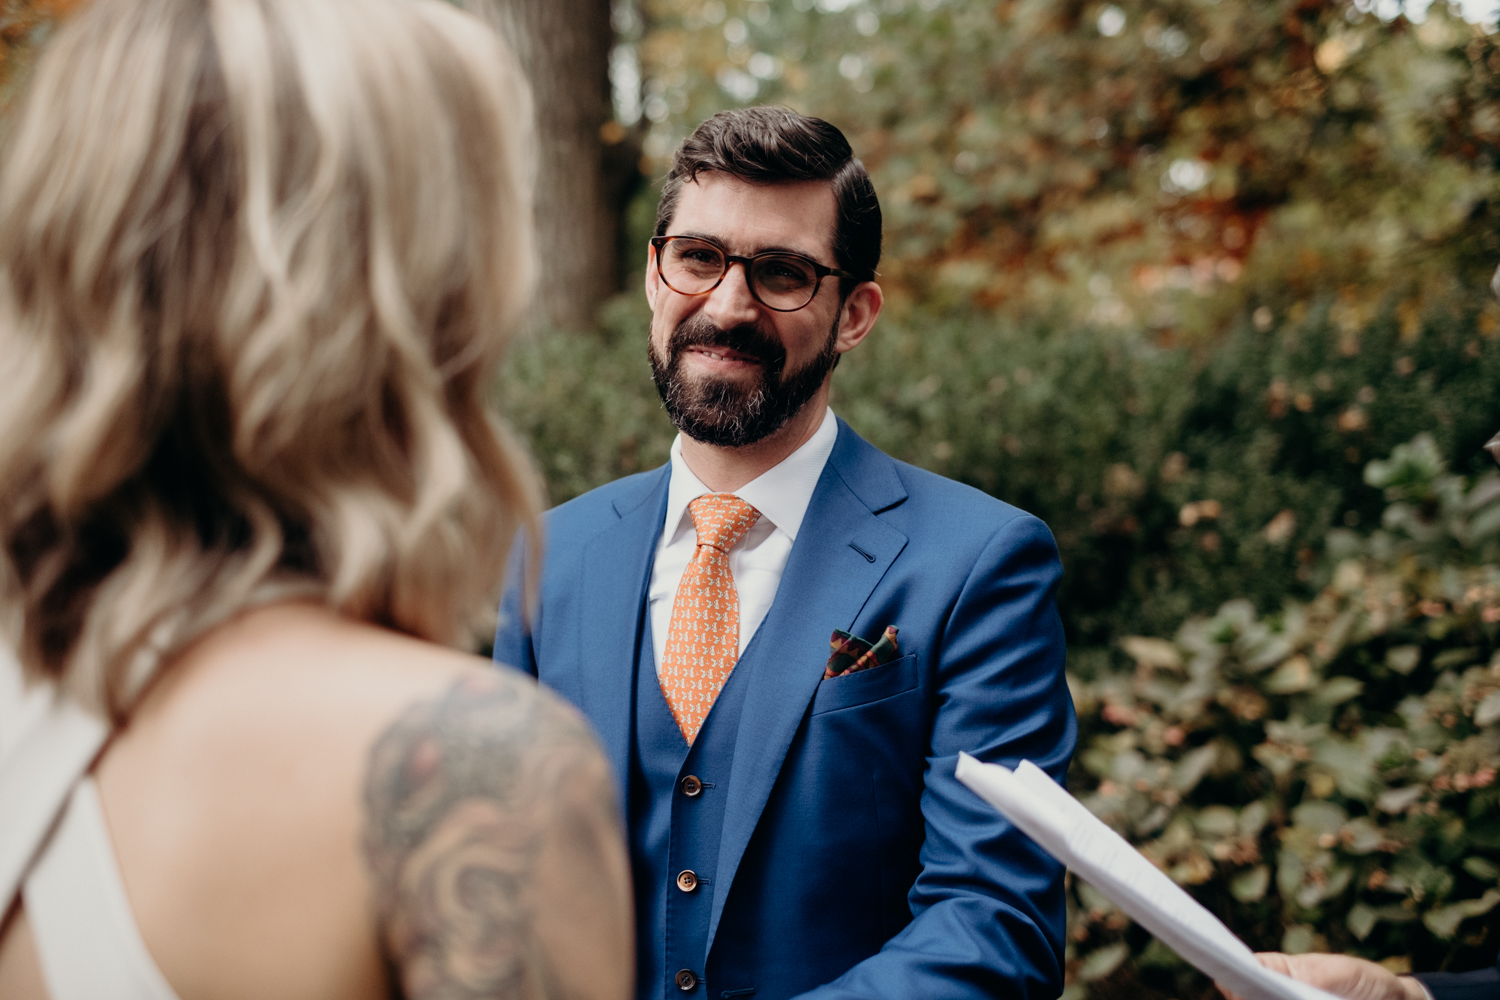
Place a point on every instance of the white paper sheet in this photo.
(1065, 828)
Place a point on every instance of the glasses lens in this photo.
(785, 282)
(691, 266)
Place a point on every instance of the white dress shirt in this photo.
(781, 494)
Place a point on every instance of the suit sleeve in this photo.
(513, 632)
(988, 905)
(1481, 985)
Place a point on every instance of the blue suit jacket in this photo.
(852, 863)
(1481, 985)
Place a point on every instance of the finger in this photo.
(1275, 961)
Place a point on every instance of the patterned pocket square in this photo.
(852, 654)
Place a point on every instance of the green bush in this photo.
(585, 403)
(1173, 479)
(1323, 776)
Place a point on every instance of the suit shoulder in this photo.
(970, 532)
(889, 486)
(963, 507)
(589, 508)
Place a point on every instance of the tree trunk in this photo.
(564, 47)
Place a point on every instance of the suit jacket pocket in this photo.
(851, 690)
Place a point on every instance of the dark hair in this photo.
(773, 145)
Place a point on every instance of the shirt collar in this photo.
(781, 493)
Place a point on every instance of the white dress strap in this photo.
(40, 766)
(54, 841)
(87, 941)
(19, 706)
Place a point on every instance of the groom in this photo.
(795, 826)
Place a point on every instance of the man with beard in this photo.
(795, 826)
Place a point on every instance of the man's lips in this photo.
(723, 354)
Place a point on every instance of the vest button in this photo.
(686, 981)
(687, 880)
(691, 786)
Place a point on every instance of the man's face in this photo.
(731, 371)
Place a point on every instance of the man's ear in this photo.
(857, 318)
(653, 280)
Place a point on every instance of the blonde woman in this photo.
(256, 257)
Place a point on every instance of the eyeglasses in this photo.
(781, 281)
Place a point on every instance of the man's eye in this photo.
(700, 255)
(784, 273)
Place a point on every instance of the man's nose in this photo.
(731, 303)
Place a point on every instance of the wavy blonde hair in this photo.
(257, 261)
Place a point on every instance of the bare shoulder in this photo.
(495, 846)
(314, 768)
(492, 736)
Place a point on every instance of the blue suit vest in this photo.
(676, 824)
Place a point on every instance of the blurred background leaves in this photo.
(1126, 164)
(1322, 775)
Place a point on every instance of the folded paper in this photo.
(1065, 828)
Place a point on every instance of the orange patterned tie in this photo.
(703, 640)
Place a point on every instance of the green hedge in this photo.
(1109, 438)
(1323, 776)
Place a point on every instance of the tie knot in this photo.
(721, 519)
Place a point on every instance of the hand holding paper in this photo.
(1065, 828)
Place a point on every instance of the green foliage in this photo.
(1322, 776)
(1173, 479)
(1142, 164)
(586, 402)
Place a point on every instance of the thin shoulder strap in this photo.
(87, 940)
(41, 764)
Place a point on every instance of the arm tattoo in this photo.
(459, 799)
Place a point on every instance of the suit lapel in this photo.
(615, 574)
(841, 553)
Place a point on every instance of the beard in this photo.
(731, 413)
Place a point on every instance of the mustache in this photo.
(745, 338)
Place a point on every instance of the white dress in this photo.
(55, 849)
